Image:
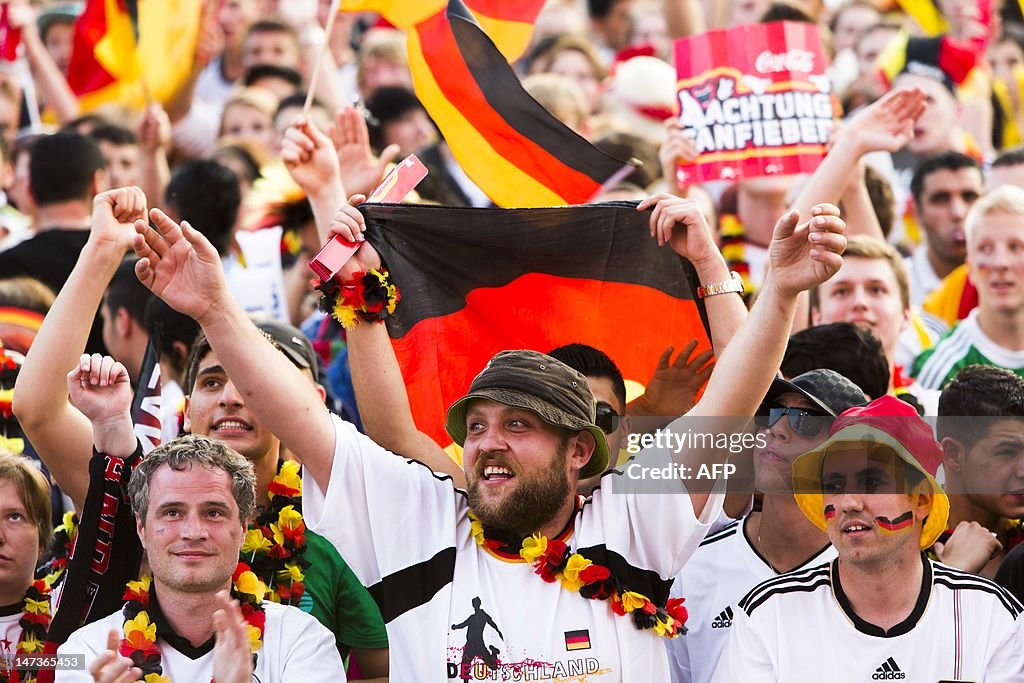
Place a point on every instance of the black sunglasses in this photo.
(607, 419)
(803, 422)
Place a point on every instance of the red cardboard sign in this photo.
(755, 99)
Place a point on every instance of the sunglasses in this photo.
(607, 419)
(803, 422)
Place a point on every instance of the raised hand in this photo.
(154, 131)
(680, 223)
(969, 547)
(114, 213)
(361, 170)
(309, 156)
(110, 667)
(677, 147)
(179, 265)
(99, 387)
(672, 389)
(232, 655)
(887, 124)
(805, 255)
(349, 224)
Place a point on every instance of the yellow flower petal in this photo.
(37, 606)
(346, 316)
(254, 637)
(156, 678)
(534, 547)
(142, 625)
(633, 601)
(289, 517)
(250, 584)
(571, 574)
(255, 542)
(476, 528)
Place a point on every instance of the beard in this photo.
(534, 501)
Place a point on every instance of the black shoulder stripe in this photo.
(1005, 597)
(413, 586)
(644, 581)
(750, 603)
(725, 532)
(797, 577)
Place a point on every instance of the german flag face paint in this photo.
(830, 512)
(898, 525)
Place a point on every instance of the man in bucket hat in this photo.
(569, 590)
(880, 610)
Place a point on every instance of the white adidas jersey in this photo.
(296, 649)
(456, 611)
(799, 627)
(724, 568)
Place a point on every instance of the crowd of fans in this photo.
(875, 334)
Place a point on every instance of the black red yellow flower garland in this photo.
(140, 634)
(553, 561)
(34, 623)
(368, 296)
(275, 545)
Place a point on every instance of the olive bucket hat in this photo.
(541, 384)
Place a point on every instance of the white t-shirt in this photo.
(406, 533)
(724, 568)
(258, 284)
(800, 627)
(11, 634)
(296, 649)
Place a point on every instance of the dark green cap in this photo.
(543, 385)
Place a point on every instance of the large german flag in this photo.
(478, 281)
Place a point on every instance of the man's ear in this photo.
(582, 451)
(186, 425)
(922, 500)
(953, 454)
(123, 322)
(100, 182)
(321, 392)
(139, 526)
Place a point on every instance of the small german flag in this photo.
(577, 640)
(478, 281)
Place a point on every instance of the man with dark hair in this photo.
(944, 188)
(120, 148)
(398, 118)
(283, 81)
(207, 195)
(981, 428)
(612, 22)
(204, 615)
(123, 311)
(852, 351)
(65, 171)
(609, 391)
(877, 611)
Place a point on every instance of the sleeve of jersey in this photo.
(652, 524)
(745, 658)
(383, 513)
(311, 656)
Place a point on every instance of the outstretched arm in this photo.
(802, 256)
(60, 433)
(181, 267)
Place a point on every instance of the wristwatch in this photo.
(733, 284)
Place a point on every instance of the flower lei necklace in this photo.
(34, 622)
(367, 296)
(553, 561)
(275, 544)
(140, 635)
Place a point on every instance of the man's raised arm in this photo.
(60, 433)
(181, 267)
(802, 256)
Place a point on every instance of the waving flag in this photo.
(505, 141)
(478, 281)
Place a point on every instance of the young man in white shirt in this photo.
(882, 610)
(795, 417)
(435, 556)
(192, 499)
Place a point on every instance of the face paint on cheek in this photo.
(895, 526)
(830, 512)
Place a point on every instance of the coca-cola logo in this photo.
(793, 60)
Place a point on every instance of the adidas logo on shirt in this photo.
(889, 671)
(723, 620)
